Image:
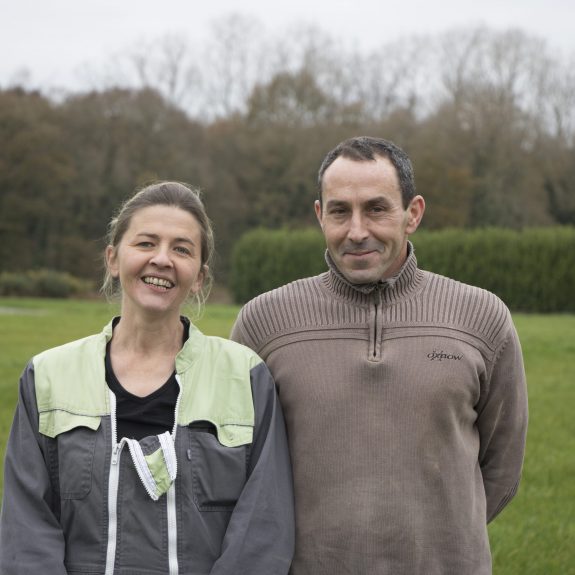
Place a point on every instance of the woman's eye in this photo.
(144, 244)
(183, 250)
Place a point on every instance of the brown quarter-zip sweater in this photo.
(406, 411)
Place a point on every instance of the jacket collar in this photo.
(191, 349)
(394, 288)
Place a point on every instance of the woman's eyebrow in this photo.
(157, 237)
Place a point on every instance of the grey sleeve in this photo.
(260, 535)
(31, 539)
(502, 425)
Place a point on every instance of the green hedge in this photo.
(265, 259)
(42, 283)
(531, 270)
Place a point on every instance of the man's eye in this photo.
(377, 211)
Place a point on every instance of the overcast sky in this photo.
(55, 40)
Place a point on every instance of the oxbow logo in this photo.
(441, 355)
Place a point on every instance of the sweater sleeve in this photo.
(502, 425)
(31, 539)
(240, 332)
(260, 536)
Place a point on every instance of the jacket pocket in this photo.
(75, 439)
(219, 472)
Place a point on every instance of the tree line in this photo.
(488, 118)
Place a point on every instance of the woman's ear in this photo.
(202, 275)
(112, 261)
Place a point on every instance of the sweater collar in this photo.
(406, 279)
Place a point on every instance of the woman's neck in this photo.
(147, 336)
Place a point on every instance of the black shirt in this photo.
(138, 417)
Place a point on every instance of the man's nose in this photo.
(357, 228)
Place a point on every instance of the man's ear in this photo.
(415, 212)
(317, 207)
(112, 261)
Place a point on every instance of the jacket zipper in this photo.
(171, 500)
(113, 480)
(375, 334)
(376, 328)
(142, 469)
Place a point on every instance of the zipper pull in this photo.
(115, 452)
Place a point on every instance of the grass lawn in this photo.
(535, 534)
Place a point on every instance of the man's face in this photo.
(363, 219)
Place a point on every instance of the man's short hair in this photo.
(364, 148)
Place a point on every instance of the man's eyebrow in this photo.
(336, 203)
(380, 200)
(377, 201)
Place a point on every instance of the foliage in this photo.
(65, 168)
(531, 270)
(265, 259)
(488, 118)
(43, 283)
(533, 534)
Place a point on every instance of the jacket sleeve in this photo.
(502, 424)
(31, 539)
(260, 536)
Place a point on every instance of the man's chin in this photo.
(360, 277)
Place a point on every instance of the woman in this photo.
(149, 448)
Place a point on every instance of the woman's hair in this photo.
(174, 194)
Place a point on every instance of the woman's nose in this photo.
(161, 257)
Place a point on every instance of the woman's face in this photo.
(158, 261)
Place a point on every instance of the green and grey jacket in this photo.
(214, 496)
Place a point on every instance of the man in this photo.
(404, 391)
